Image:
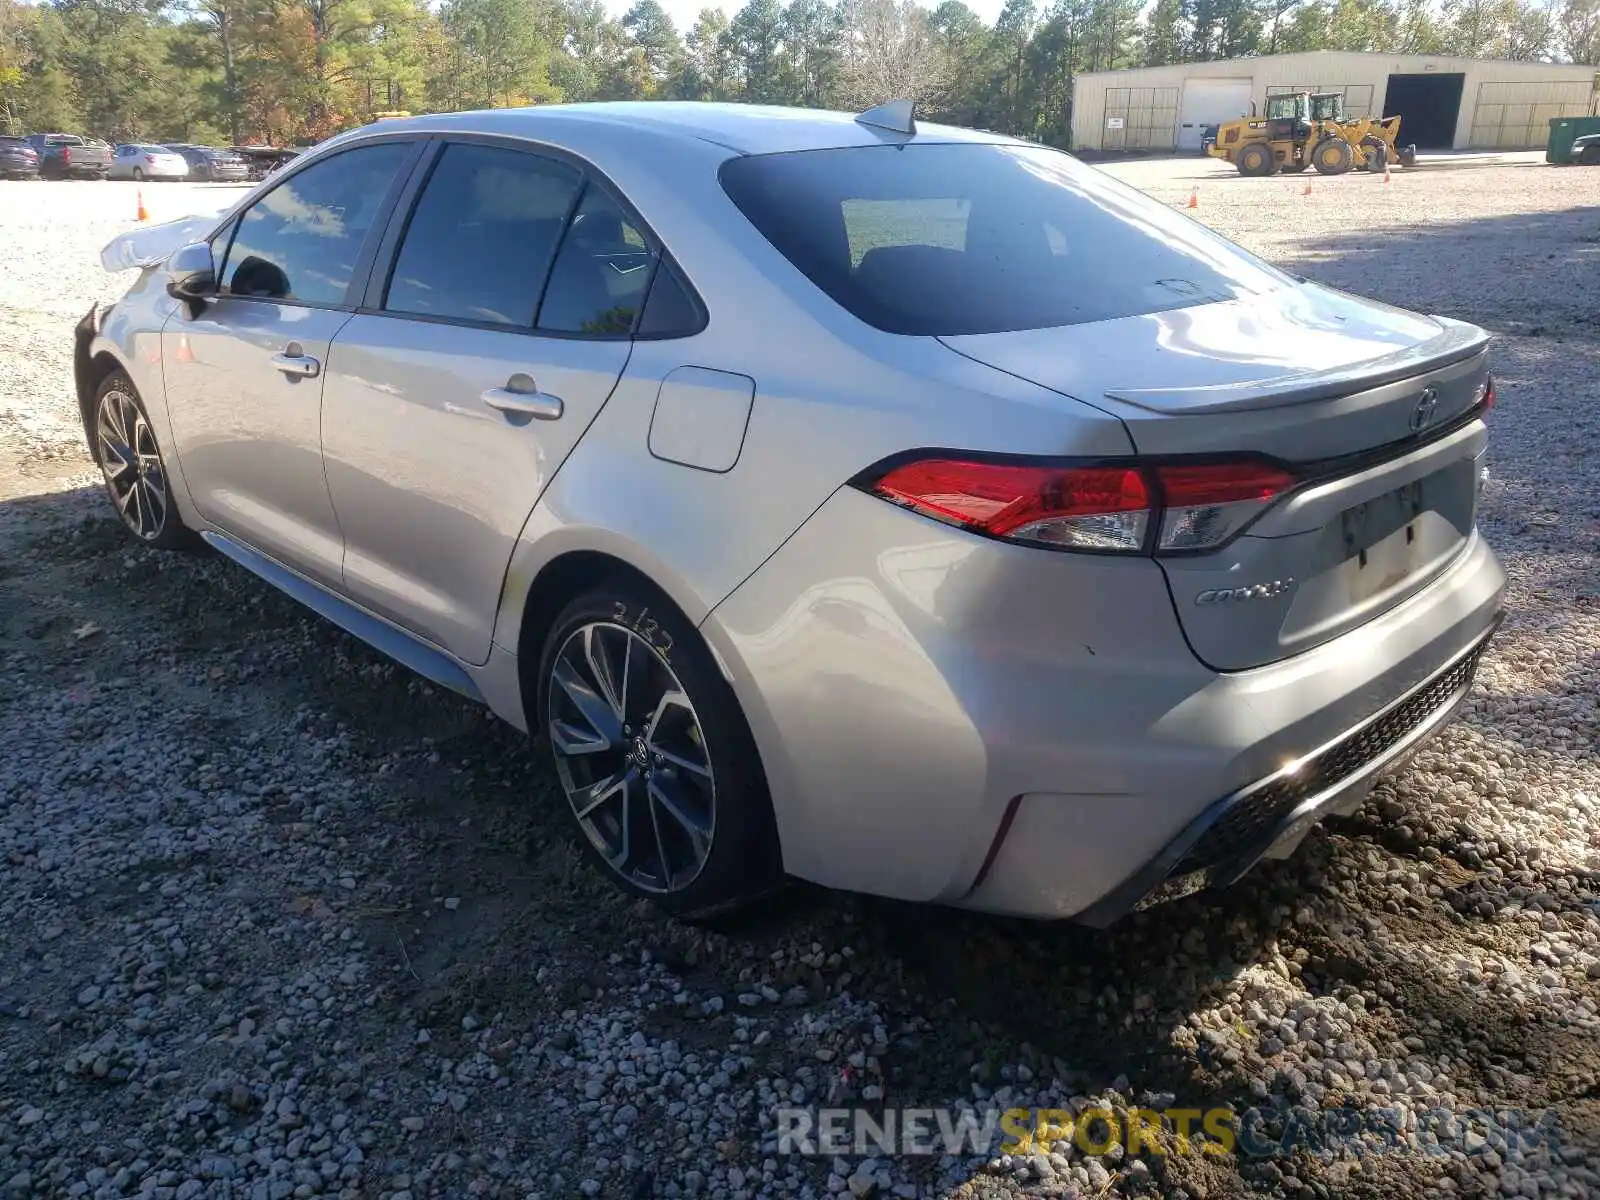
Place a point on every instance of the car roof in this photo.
(741, 128)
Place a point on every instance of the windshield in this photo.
(956, 238)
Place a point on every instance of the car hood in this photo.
(1295, 344)
(151, 245)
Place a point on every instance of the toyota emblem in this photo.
(1422, 414)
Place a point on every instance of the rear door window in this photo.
(601, 272)
(963, 238)
(483, 234)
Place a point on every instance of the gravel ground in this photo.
(278, 919)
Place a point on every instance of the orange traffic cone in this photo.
(1306, 191)
(144, 213)
(1194, 197)
(1386, 171)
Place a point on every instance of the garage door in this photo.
(1140, 119)
(1516, 116)
(1210, 102)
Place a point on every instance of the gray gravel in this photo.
(278, 919)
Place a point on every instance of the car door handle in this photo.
(525, 401)
(295, 361)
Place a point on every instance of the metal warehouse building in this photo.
(1444, 103)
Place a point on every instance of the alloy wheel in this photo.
(631, 756)
(132, 465)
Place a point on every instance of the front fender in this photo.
(126, 336)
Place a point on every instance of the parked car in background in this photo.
(902, 507)
(1586, 150)
(137, 160)
(262, 161)
(69, 156)
(211, 164)
(18, 160)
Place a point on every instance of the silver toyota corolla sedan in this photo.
(899, 507)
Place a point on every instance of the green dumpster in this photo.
(1563, 132)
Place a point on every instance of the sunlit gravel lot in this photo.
(278, 919)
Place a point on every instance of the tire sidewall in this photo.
(744, 863)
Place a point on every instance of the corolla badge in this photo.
(1427, 405)
(1240, 595)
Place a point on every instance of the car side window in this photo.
(302, 239)
(483, 233)
(601, 272)
(671, 309)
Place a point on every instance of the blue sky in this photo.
(683, 12)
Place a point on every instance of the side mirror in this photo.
(189, 273)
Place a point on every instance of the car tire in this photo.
(1589, 156)
(675, 807)
(138, 174)
(124, 446)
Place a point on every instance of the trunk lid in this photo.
(1371, 404)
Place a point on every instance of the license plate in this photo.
(1378, 519)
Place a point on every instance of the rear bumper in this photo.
(951, 719)
(1272, 815)
(1287, 745)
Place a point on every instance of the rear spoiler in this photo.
(1455, 342)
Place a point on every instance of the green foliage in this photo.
(288, 71)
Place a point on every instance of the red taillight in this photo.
(151, 159)
(1104, 508)
(1488, 393)
(66, 155)
(1095, 507)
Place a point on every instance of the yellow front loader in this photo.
(1310, 129)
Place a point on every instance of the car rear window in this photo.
(959, 238)
(64, 141)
